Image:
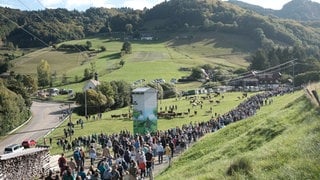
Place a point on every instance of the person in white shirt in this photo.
(92, 154)
(160, 151)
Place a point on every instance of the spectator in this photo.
(115, 175)
(133, 170)
(160, 152)
(142, 166)
(92, 154)
(72, 166)
(67, 175)
(62, 162)
(82, 174)
(149, 160)
(83, 155)
(168, 154)
(77, 158)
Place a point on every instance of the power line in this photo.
(47, 24)
(46, 44)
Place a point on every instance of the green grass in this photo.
(149, 60)
(280, 142)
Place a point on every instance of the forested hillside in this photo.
(15, 101)
(50, 26)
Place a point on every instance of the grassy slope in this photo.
(149, 60)
(280, 142)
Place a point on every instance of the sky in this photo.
(82, 5)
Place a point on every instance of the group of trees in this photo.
(108, 95)
(15, 101)
(51, 26)
(305, 62)
(265, 58)
(116, 94)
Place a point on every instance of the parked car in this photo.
(13, 148)
(28, 143)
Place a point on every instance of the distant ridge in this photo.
(300, 10)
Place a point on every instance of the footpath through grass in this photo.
(281, 142)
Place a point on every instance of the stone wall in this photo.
(28, 164)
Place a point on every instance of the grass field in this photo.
(149, 60)
(280, 142)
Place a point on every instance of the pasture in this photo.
(149, 60)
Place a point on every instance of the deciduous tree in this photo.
(44, 73)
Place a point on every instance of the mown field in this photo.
(280, 142)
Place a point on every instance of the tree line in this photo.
(57, 25)
(116, 94)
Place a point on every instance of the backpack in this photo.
(76, 156)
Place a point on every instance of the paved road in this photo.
(45, 116)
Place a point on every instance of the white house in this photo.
(91, 84)
(147, 38)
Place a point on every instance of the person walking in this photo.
(168, 154)
(77, 158)
(160, 152)
(149, 163)
(92, 154)
(72, 166)
(62, 162)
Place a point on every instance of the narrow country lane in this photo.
(45, 116)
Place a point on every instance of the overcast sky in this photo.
(82, 5)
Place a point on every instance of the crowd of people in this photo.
(134, 156)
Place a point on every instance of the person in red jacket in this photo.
(62, 162)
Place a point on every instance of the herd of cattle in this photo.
(195, 101)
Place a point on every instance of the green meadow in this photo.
(149, 60)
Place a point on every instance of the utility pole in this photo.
(85, 104)
(293, 74)
(293, 71)
(70, 123)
